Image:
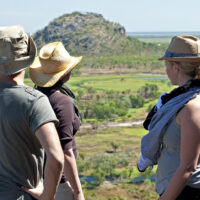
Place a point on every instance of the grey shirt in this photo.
(22, 111)
(169, 159)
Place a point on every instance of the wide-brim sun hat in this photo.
(17, 50)
(52, 64)
(184, 48)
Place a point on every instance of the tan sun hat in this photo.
(184, 48)
(17, 50)
(52, 64)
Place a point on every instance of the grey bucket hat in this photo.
(17, 50)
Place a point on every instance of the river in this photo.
(112, 125)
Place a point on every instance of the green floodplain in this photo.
(160, 37)
(107, 157)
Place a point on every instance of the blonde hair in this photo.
(191, 69)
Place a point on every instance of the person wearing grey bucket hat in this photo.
(173, 141)
(27, 125)
(14, 54)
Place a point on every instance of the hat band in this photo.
(169, 54)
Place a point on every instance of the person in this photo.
(173, 141)
(26, 125)
(50, 70)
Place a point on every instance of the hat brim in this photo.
(47, 80)
(181, 59)
(8, 67)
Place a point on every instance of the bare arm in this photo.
(71, 173)
(48, 138)
(189, 121)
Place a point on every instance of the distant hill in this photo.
(90, 34)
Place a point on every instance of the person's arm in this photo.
(68, 124)
(189, 121)
(71, 173)
(48, 138)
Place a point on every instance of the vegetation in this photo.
(136, 101)
(110, 105)
(115, 146)
(118, 83)
(106, 174)
(149, 91)
(121, 64)
(117, 98)
(107, 157)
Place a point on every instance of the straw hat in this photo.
(184, 48)
(52, 64)
(17, 50)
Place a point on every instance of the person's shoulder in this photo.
(193, 105)
(190, 111)
(33, 94)
(60, 97)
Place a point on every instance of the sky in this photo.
(134, 15)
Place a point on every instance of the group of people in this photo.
(38, 125)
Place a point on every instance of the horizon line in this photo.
(162, 31)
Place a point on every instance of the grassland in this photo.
(126, 84)
(116, 82)
(119, 82)
(95, 146)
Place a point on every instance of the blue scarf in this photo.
(151, 142)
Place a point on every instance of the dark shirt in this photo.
(69, 122)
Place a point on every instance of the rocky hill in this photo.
(90, 34)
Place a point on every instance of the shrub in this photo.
(136, 101)
(115, 146)
(109, 110)
(149, 91)
(108, 162)
(99, 176)
(82, 164)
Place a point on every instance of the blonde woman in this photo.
(173, 141)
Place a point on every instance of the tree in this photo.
(148, 91)
(115, 146)
(136, 101)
